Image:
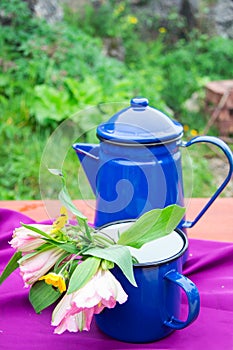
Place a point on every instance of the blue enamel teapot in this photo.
(137, 165)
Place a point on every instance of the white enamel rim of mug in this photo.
(159, 251)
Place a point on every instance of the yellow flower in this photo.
(119, 9)
(193, 132)
(55, 280)
(186, 128)
(61, 221)
(162, 30)
(132, 19)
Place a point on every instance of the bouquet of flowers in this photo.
(70, 262)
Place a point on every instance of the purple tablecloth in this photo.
(210, 267)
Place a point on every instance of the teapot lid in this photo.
(139, 123)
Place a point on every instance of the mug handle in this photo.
(193, 299)
(226, 150)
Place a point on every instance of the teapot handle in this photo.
(223, 146)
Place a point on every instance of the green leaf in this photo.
(64, 197)
(66, 200)
(58, 266)
(57, 172)
(152, 225)
(83, 273)
(37, 230)
(27, 256)
(42, 295)
(120, 255)
(68, 247)
(87, 229)
(10, 267)
(173, 215)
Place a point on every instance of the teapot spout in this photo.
(88, 157)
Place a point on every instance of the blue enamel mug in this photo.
(152, 310)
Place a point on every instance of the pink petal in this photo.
(75, 312)
(33, 268)
(61, 309)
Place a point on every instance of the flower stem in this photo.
(107, 241)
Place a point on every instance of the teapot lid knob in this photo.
(139, 102)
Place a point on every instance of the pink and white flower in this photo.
(26, 240)
(76, 310)
(34, 267)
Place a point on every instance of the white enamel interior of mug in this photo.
(160, 249)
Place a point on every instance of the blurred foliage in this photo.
(48, 73)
